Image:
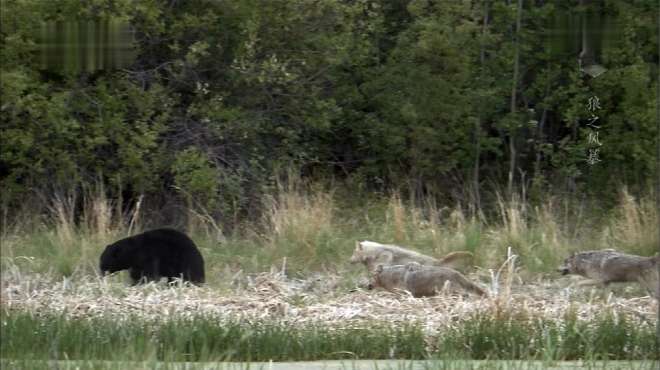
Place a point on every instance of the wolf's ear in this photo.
(412, 266)
(378, 269)
(358, 246)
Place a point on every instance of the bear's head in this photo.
(113, 259)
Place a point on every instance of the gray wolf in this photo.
(602, 267)
(155, 254)
(390, 277)
(372, 253)
(419, 280)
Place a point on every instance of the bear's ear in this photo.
(378, 269)
(358, 246)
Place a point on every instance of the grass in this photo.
(608, 337)
(206, 338)
(306, 229)
(339, 365)
(198, 338)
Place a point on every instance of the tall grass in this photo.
(306, 227)
(517, 336)
(300, 224)
(69, 241)
(205, 338)
(198, 338)
(633, 225)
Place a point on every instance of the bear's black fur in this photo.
(155, 254)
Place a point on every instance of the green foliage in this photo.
(515, 336)
(397, 94)
(202, 338)
(198, 338)
(195, 177)
(53, 138)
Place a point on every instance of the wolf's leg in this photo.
(591, 282)
(651, 284)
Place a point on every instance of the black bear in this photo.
(154, 254)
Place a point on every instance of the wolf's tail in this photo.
(474, 288)
(470, 286)
(454, 258)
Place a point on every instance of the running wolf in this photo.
(391, 277)
(606, 266)
(372, 254)
(420, 281)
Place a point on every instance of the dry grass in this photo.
(53, 268)
(634, 223)
(299, 224)
(292, 215)
(321, 300)
(309, 229)
(303, 301)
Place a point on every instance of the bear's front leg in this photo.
(137, 276)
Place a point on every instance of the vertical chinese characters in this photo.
(593, 142)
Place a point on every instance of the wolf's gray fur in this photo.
(609, 266)
(429, 280)
(420, 281)
(391, 277)
(372, 254)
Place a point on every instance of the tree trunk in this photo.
(479, 122)
(514, 88)
(657, 175)
(539, 141)
(586, 56)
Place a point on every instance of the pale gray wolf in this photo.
(419, 280)
(371, 254)
(602, 267)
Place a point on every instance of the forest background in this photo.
(305, 125)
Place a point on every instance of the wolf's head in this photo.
(358, 253)
(389, 277)
(363, 252)
(569, 265)
(375, 278)
(579, 262)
